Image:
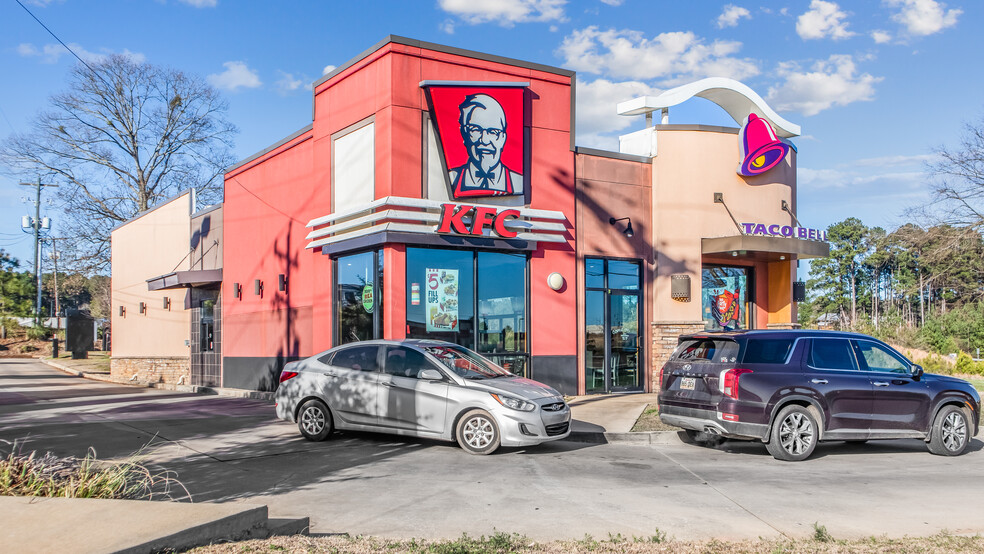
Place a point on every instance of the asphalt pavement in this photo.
(232, 449)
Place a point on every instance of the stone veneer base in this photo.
(151, 369)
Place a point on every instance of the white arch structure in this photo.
(736, 98)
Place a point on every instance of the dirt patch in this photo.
(649, 421)
(656, 543)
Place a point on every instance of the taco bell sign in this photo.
(785, 231)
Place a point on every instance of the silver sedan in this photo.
(420, 388)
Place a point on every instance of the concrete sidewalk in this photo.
(605, 418)
(95, 525)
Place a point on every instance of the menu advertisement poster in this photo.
(442, 300)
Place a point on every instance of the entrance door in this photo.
(613, 322)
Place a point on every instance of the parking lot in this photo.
(229, 449)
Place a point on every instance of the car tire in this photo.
(950, 432)
(795, 433)
(477, 433)
(314, 420)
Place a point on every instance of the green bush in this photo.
(935, 363)
(38, 333)
(967, 366)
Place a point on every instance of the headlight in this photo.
(514, 403)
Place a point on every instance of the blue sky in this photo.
(875, 85)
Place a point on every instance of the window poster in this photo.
(442, 300)
(725, 298)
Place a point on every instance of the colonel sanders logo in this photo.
(481, 134)
(726, 309)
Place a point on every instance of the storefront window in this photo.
(725, 298)
(446, 287)
(502, 309)
(358, 297)
(612, 298)
(441, 295)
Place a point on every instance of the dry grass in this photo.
(657, 543)
(649, 421)
(97, 362)
(48, 475)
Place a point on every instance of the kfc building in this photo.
(438, 193)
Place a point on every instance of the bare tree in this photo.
(959, 179)
(122, 138)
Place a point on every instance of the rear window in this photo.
(767, 351)
(706, 350)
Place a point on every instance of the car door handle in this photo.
(880, 384)
(387, 384)
(329, 374)
(819, 381)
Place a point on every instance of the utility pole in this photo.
(54, 259)
(35, 226)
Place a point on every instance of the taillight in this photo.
(661, 376)
(729, 381)
(284, 375)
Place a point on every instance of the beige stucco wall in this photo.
(690, 166)
(206, 239)
(153, 244)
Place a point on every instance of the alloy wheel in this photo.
(313, 420)
(796, 433)
(478, 432)
(954, 431)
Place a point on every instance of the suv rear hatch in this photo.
(690, 377)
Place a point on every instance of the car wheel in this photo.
(795, 432)
(477, 433)
(951, 432)
(314, 420)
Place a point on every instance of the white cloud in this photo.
(201, 3)
(923, 17)
(51, 53)
(674, 57)
(881, 37)
(595, 110)
(288, 83)
(613, 2)
(447, 26)
(896, 161)
(730, 16)
(832, 82)
(823, 20)
(328, 69)
(236, 75)
(505, 12)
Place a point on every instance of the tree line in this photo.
(76, 292)
(920, 286)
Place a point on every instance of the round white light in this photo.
(555, 281)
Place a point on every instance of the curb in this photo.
(218, 391)
(639, 439)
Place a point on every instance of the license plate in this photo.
(687, 383)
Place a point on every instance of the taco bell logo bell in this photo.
(481, 134)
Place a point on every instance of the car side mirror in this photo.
(917, 371)
(430, 375)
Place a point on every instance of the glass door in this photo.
(612, 326)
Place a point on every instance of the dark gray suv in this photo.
(791, 389)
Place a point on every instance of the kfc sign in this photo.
(482, 217)
(481, 135)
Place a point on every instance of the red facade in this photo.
(270, 198)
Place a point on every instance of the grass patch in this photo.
(977, 382)
(52, 476)
(97, 362)
(649, 421)
(505, 542)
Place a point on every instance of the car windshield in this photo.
(466, 363)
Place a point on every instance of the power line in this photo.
(56, 36)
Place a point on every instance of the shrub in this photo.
(936, 364)
(967, 366)
(38, 333)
